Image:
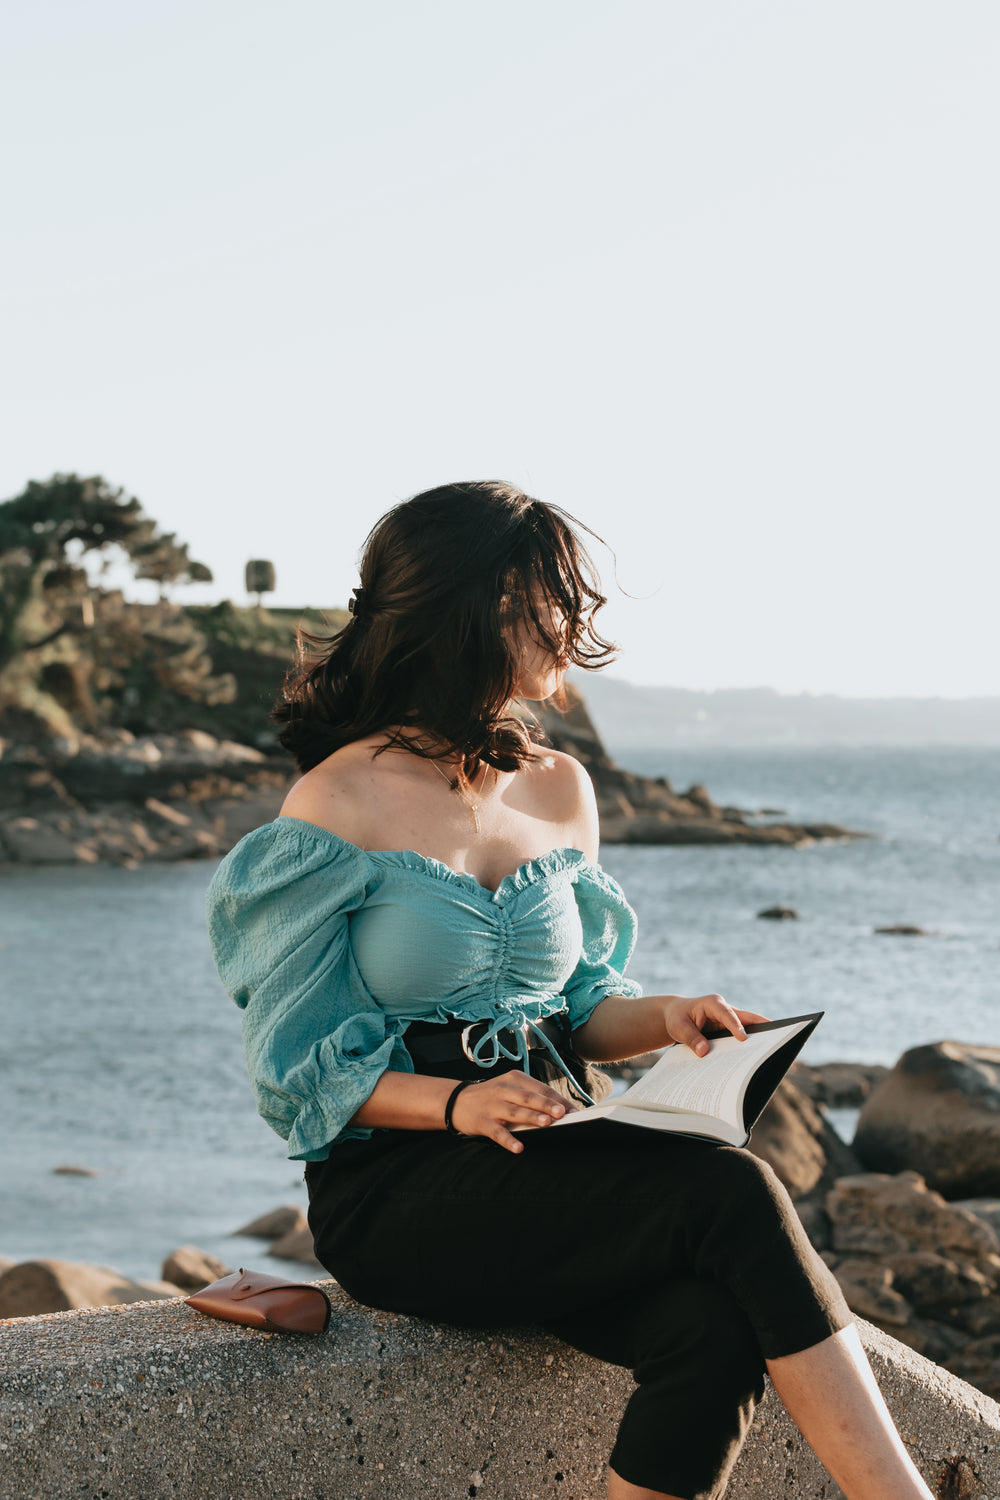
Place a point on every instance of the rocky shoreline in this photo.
(648, 810)
(124, 799)
(920, 1263)
(907, 1216)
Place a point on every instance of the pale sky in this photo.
(720, 278)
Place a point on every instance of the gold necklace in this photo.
(456, 784)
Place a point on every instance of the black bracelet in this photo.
(451, 1103)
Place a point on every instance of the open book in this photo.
(719, 1095)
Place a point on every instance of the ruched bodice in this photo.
(331, 951)
(441, 945)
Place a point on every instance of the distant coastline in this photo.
(634, 717)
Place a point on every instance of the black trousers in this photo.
(682, 1260)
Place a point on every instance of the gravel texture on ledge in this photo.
(154, 1400)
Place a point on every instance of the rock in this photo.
(46, 1286)
(987, 1209)
(231, 750)
(661, 828)
(125, 841)
(646, 810)
(168, 814)
(198, 739)
(699, 795)
(272, 1226)
(801, 1146)
(614, 804)
(938, 1113)
(162, 768)
(903, 929)
(31, 787)
(174, 776)
(979, 1318)
(870, 1293)
(979, 1364)
(937, 1285)
(779, 914)
(189, 1267)
(189, 843)
(918, 1266)
(239, 816)
(839, 1085)
(933, 1339)
(874, 1214)
(297, 1244)
(75, 1171)
(36, 843)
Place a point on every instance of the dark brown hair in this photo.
(444, 577)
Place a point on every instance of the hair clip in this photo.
(356, 603)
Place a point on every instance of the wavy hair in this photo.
(428, 655)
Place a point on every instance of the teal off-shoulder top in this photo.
(331, 951)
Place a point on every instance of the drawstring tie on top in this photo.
(487, 1051)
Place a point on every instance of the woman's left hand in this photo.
(620, 1028)
(685, 1018)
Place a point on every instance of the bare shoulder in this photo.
(563, 786)
(332, 794)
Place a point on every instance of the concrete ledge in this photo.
(153, 1400)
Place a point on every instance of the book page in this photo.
(710, 1085)
(678, 1122)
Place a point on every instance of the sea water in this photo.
(120, 1052)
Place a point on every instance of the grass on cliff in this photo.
(256, 646)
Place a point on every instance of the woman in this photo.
(429, 956)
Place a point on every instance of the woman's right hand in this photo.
(514, 1098)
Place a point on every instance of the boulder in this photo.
(123, 839)
(871, 1294)
(27, 785)
(71, 1171)
(699, 795)
(46, 1286)
(273, 1225)
(779, 914)
(873, 1214)
(937, 1112)
(800, 1144)
(936, 1285)
(174, 816)
(156, 1402)
(979, 1364)
(903, 929)
(198, 739)
(188, 843)
(191, 1268)
(33, 842)
(296, 1245)
(840, 1085)
(987, 1209)
(920, 1268)
(980, 1318)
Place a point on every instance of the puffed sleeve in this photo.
(609, 932)
(279, 910)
